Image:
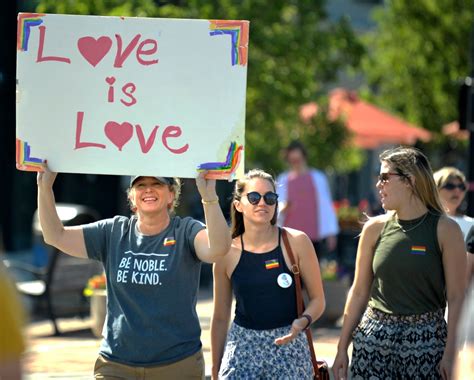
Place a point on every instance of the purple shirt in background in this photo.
(301, 213)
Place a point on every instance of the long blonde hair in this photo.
(410, 163)
(237, 220)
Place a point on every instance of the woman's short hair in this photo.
(174, 186)
(447, 173)
(411, 163)
(237, 219)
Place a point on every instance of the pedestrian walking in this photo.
(265, 339)
(451, 184)
(306, 201)
(152, 262)
(410, 263)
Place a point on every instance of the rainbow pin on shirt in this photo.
(418, 250)
(169, 241)
(271, 264)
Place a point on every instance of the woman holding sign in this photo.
(265, 339)
(152, 262)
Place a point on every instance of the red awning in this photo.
(370, 125)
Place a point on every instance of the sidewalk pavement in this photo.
(72, 355)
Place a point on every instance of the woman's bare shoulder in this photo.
(374, 225)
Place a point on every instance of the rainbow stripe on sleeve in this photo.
(25, 22)
(23, 159)
(226, 169)
(239, 33)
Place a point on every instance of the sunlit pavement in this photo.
(72, 355)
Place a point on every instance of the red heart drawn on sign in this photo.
(93, 50)
(119, 134)
(110, 80)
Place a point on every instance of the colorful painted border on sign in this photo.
(239, 32)
(23, 159)
(226, 169)
(25, 22)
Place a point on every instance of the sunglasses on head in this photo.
(452, 186)
(270, 198)
(384, 177)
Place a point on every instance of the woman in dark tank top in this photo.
(410, 263)
(264, 340)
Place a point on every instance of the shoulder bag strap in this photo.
(299, 299)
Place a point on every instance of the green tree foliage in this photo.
(293, 53)
(417, 56)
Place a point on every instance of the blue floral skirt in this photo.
(253, 354)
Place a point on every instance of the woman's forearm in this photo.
(51, 225)
(315, 308)
(355, 307)
(217, 230)
(454, 312)
(219, 328)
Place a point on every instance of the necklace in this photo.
(412, 227)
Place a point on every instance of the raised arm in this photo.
(69, 240)
(358, 295)
(311, 277)
(221, 315)
(215, 240)
(454, 264)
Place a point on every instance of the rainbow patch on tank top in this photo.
(271, 264)
(418, 249)
(169, 241)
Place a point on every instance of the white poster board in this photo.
(131, 96)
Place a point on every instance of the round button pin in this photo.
(284, 280)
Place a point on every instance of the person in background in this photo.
(451, 184)
(470, 256)
(152, 262)
(12, 343)
(410, 264)
(265, 339)
(305, 200)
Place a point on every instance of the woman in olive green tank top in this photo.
(410, 264)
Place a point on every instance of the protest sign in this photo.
(131, 96)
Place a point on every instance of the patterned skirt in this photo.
(387, 346)
(253, 354)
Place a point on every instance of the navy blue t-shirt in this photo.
(152, 284)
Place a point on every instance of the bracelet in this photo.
(309, 319)
(213, 202)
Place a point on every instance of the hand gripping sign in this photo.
(119, 95)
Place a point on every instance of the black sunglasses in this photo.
(452, 186)
(384, 177)
(270, 198)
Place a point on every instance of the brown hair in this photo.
(295, 145)
(410, 163)
(237, 225)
